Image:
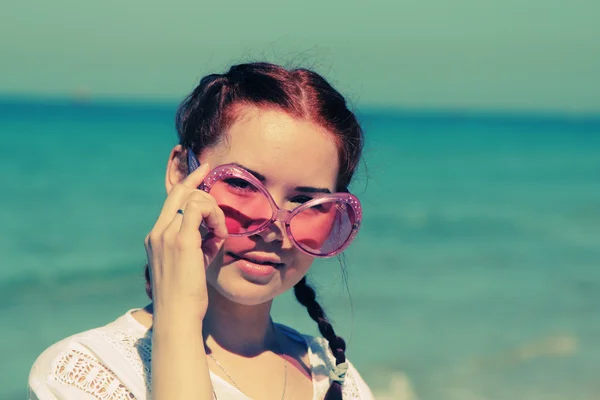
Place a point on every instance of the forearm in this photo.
(179, 368)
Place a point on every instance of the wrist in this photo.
(172, 323)
(165, 321)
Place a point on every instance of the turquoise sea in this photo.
(476, 275)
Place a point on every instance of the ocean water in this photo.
(476, 275)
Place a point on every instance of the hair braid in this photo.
(148, 281)
(307, 296)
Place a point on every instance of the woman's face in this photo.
(290, 154)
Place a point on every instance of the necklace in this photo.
(285, 366)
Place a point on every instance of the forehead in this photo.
(284, 149)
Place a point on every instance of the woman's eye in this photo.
(301, 199)
(305, 199)
(240, 184)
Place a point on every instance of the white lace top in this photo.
(113, 363)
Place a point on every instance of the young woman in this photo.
(257, 189)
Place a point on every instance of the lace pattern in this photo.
(81, 371)
(137, 351)
(84, 372)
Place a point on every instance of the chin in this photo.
(231, 284)
(249, 284)
(246, 293)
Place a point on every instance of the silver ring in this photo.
(180, 211)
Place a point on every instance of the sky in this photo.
(541, 55)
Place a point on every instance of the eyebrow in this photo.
(258, 176)
(309, 189)
(305, 189)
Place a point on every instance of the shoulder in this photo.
(92, 364)
(322, 362)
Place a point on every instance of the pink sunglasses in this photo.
(323, 225)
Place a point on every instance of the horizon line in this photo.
(390, 111)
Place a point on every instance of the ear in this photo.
(175, 169)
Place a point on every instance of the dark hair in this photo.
(211, 109)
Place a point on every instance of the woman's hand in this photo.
(177, 258)
(178, 254)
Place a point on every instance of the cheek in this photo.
(313, 232)
(301, 265)
(291, 276)
(238, 244)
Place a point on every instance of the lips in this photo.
(261, 260)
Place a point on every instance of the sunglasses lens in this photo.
(324, 228)
(245, 206)
(321, 229)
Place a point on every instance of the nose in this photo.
(273, 232)
(276, 232)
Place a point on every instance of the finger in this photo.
(222, 222)
(197, 211)
(216, 220)
(194, 179)
(211, 245)
(201, 196)
(216, 225)
(173, 202)
(190, 182)
(177, 194)
(172, 230)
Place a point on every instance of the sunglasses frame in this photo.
(278, 214)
